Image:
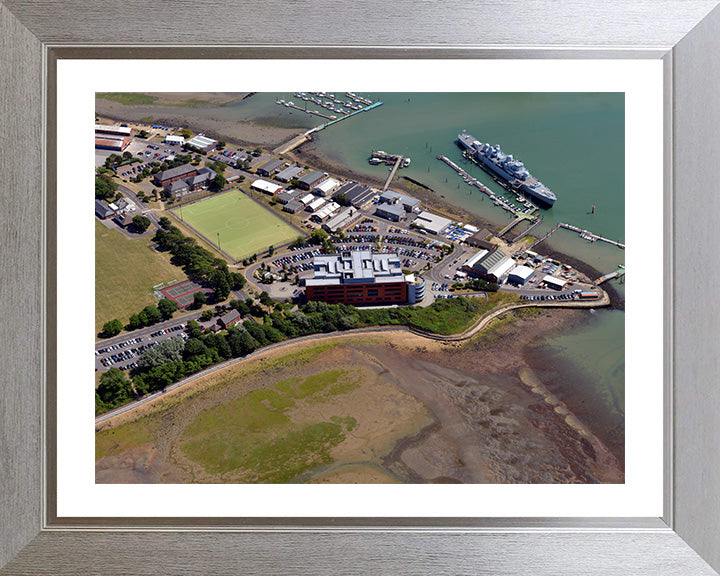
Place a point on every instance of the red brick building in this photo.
(358, 278)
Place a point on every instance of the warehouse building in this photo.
(432, 222)
(266, 187)
(289, 173)
(115, 131)
(409, 203)
(270, 167)
(520, 275)
(392, 212)
(174, 140)
(358, 278)
(342, 219)
(479, 239)
(357, 195)
(110, 143)
(326, 187)
(311, 179)
(164, 178)
(202, 143)
(491, 265)
(554, 283)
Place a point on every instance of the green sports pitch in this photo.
(245, 227)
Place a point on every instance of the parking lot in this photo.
(123, 355)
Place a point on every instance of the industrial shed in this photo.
(520, 275)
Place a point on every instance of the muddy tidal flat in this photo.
(383, 408)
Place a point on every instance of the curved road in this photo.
(469, 333)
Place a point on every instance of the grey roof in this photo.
(312, 177)
(229, 316)
(199, 179)
(289, 173)
(293, 206)
(355, 267)
(287, 195)
(390, 209)
(486, 263)
(356, 194)
(102, 210)
(176, 185)
(174, 172)
(405, 200)
(210, 172)
(271, 165)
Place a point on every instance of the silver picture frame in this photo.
(34, 36)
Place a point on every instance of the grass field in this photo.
(125, 272)
(245, 227)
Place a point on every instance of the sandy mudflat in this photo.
(426, 412)
(242, 131)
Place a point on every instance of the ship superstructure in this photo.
(513, 171)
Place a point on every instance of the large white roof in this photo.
(432, 222)
(523, 272)
(556, 281)
(327, 185)
(265, 186)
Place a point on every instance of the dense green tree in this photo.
(112, 328)
(194, 329)
(141, 223)
(153, 314)
(164, 351)
(318, 236)
(167, 307)
(256, 331)
(265, 299)
(165, 222)
(186, 133)
(207, 315)
(220, 344)
(199, 299)
(105, 187)
(242, 343)
(194, 347)
(135, 322)
(218, 183)
(114, 388)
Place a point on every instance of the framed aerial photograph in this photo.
(427, 304)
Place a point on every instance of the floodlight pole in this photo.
(218, 236)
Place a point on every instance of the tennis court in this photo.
(244, 227)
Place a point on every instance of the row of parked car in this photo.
(549, 297)
(167, 330)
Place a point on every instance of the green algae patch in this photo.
(254, 439)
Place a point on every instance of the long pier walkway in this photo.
(394, 170)
(530, 229)
(584, 234)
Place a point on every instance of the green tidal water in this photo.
(572, 142)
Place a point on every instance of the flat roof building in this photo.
(311, 179)
(358, 278)
(409, 203)
(555, 283)
(325, 187)
(289, 173)
(391, 212)
(432, 222)
(202, 143)
(266, 187)
(520, 275)
(111, 143)
(316, 204)
(270, 167)
(325, 212)
(120, 131)
(174, 140)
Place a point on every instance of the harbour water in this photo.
(572, 142)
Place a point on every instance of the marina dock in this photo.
(584, 234)
(295, 142)
(527, 213)
(394, 170)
